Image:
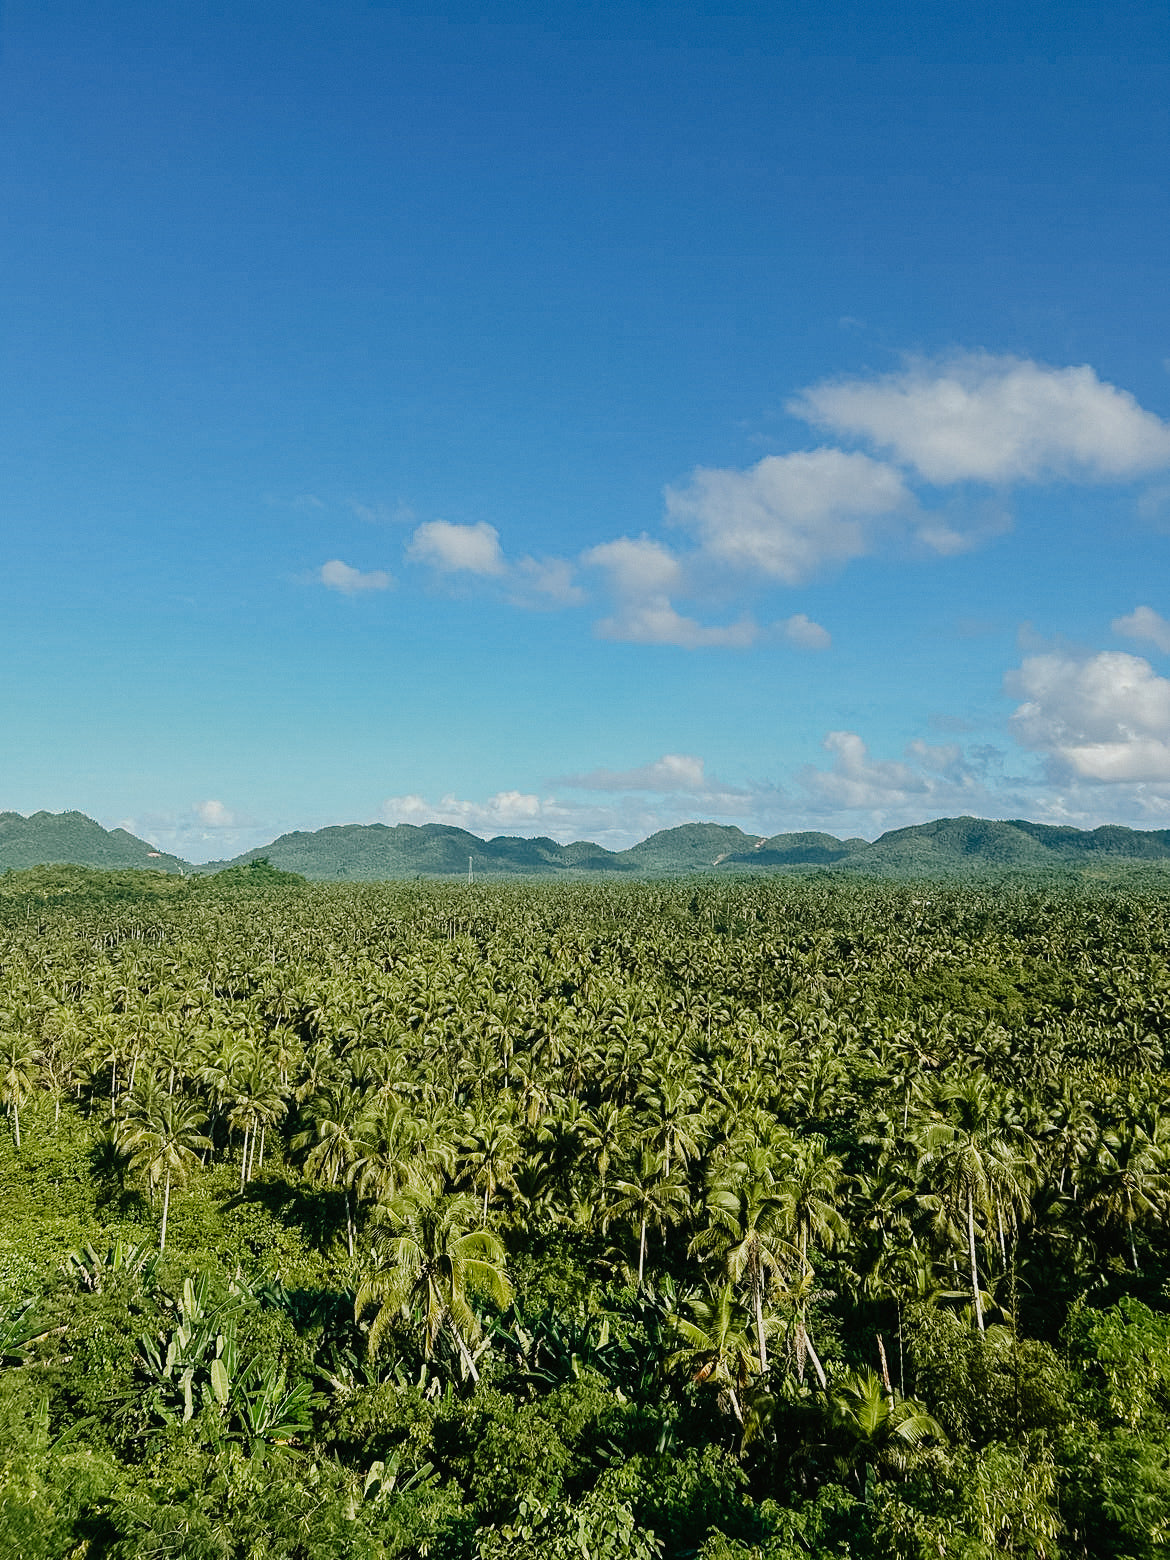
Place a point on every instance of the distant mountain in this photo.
(365, 852)
(70, 838)
(370, 852)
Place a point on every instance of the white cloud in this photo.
(678, 784)
(349, 581)
(1144, 623)
(866, 794)
(642, 574)
(1104, 718)
(801, 631)
(470, 549)
(545, 582)
(858, 781)
(505, 810)
(788, 515)
(656, 622)
(678, 774)
(637, 566)
(214, 815)
(383, 514)
(976, 417)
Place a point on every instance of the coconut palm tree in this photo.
(19, 1060)
(428, 1256)
(1129, 1181)
(972, 1163)
(880, 1425)
(716, 1346)
(650, 1197)
(747, 1230)
(336, 1144)
(161, 1136)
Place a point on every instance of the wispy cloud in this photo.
(544, 582)
(677, 774)
(214, 815)
(642, 574)
(800, 630)
(615, 808)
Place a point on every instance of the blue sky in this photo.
(581, 418)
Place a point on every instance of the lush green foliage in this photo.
(740, 1222)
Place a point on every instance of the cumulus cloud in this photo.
(801, 631)
(978, 417)
(858, 781)
(641, 575)
(1144, 623)
(504, 810)
(545, 582)
(1103, 718)
(214, 815)
(861, 792)
(339, 576)
(788, 515)
(469, 549)
(637, 566)
(527, 813)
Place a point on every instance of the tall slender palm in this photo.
(429, 1256)
(19, 1059)
(972, 1162)
(747, 1230)
(650, 1195)
(335, 1144)
(488, 1150)
(1129, 1181)
(161, 1136)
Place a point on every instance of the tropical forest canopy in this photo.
(758, 1218)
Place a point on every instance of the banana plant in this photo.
(271, 1413)
(201, 1350)
(92, 1269)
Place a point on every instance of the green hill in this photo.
(690, 847)
(70, 838)
(371, 851)
(356, 852)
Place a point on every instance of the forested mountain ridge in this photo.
(373, 852)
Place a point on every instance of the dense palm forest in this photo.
(771, 1218)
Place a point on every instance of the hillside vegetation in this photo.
(948, 847)
(736, 1220)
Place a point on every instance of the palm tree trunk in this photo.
(244, 1162)
(464, 1352)
(349, 1224)
(16, 1129)
(815, 1358)
(971, 1249)
(758, 1307)
(162, 1236)
(641, 1253)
